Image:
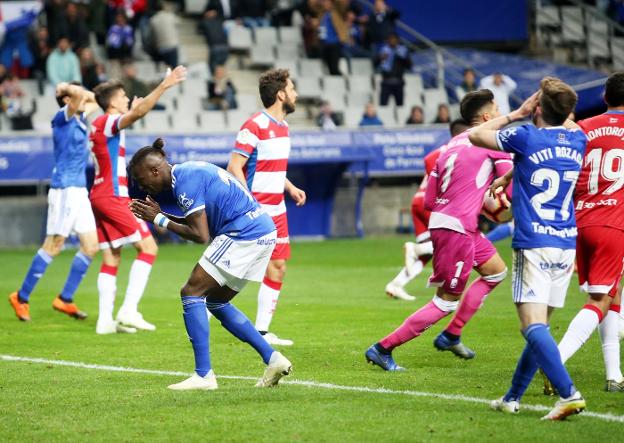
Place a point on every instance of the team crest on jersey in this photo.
(613, 120)
(244, 137)
(507, 133)
(271, 134)
(562, 140)
(184, 201)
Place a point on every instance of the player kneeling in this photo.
(217, 206)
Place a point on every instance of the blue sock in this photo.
(500, 232)
(239, 326)
(198, 330)
(40, 262)
(525, 370)
(548, 358)
(79, 268)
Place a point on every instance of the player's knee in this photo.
(54, 247)
(496, 278)
(148, 246)
(89, 249)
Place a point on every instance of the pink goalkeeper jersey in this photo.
(458, 183)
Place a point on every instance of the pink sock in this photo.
(473, 300)
(414, 325)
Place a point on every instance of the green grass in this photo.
(333, 307)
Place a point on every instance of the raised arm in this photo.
(76, 96)
(484, 135)
(193, 227)
(141, 106)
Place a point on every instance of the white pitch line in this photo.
(306, 383)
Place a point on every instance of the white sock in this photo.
(402, 278)
(139, 273)
(267, 301)
(609, 329)
(425, 248)
(107, 286)
(581, 328)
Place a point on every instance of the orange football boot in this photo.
(68, 308)
(22, 310)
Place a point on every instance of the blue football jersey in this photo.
(547, 162)
(71, 151)
(230, 208)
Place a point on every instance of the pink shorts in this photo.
(454, 256)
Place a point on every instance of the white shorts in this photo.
(69, 210)
(233, 263)
(542, 275)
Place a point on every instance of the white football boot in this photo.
(274, 340)
(508, 407)
(278, 367)
(574, 404)
(134, 320)
(396, 291)
(195, 381)
(112, 327)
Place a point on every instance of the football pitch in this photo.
(69, 384)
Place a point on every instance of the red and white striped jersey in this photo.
(109, 150)
(266, 143)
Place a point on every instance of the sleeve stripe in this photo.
(241, 152)
(198, 208)
(108, 126)
(499, 143)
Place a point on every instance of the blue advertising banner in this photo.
(29, 158)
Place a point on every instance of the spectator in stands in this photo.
(333, 31)
(134, 86)
(12, 94)
(93, 72)
(120, 38)
(312, 11)
(55, 19)
(40, 47)
(282, 12)
(381, 23)
(354, 46)
(133, 10)
(393, 60)
(63, 64)
(222, 10)
(469, 84)
(75, 28)
(502, 86)
(416, 117)
(211, 26)
(14, 50)
(221, 91)
(96, 19)
(254, 12)
(443, 115)
(370, 116)
(327, 119)
(165, 35)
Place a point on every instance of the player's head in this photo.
(111, 97)
(478, 106)
(62, 96)
(556, 101)
(277, 89)
(150, 169)
(614, 90)
(458, 126)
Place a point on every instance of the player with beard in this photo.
(259, 160)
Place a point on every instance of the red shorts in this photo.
(116, 225)
(282, 244)
(454, 256)
(600, 259)
(420, 216)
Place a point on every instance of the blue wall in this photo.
(465, 20)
